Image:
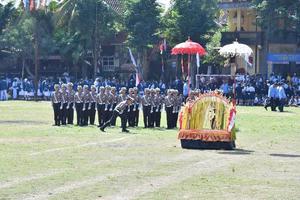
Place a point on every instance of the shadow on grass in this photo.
(237, 152)
(285, 155)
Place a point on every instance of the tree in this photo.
(192, 18)
(142, 22)
(274, 12)
(87, 23)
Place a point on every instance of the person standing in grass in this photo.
(119, 111)
(70, 105)
(281, 97)
(79, 105)
(56, 104)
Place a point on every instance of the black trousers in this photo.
(107, 113)
(152, 117)
(169, 113)
(86, 115)
(57, 113)
(174, 119)
(64, 114)
(157, 116)
(114, 116)
(136, 116)
(146, 115)
(131, 116)
(79, 107)
(281, 104)
(92, 113)
(100, 108)
(111, 113)
(70, 113)
(273, 104)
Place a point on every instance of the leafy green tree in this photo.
(274, 11)
(192, 18)
(142, 22)
(213, 57)
(87, 24)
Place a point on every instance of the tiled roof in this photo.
(116, 5)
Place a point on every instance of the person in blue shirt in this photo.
(272, 93)
(281, 97)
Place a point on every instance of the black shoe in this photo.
(125, 131)
(266, 108)
(102, 129)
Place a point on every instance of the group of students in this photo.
(108, 105)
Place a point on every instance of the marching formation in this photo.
(108, 104)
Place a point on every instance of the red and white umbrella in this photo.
(190, 48)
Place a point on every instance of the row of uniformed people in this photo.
(86, 103)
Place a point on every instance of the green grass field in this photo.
(40, 161)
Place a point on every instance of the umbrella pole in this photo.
(189, 75)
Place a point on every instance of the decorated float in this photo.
(208, 123)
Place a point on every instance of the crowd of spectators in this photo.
(249, 90)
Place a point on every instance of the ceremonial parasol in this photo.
(235, 49)
(190, 48)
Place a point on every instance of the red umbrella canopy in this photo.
(188, 47)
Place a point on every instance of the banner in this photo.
(137, 73)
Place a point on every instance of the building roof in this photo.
(116, 5)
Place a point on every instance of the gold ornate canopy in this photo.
(209, 118)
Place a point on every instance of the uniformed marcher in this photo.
(158, 100)
(178, 98)
(120, 111)
(122, 97)
(56, 104)
(93, 100)
(131, 113)
(108, 104)
(169, 102)
(146, 107)
(70, 105)
(79, 105)
(136, 110)
(114, 102)
(152, 108)
(64, 104)
(101, 98)
(86, 104)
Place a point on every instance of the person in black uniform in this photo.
(108, 104)
(101, 98)
(56, 104)
(79, 105)
(119, 111)
(93, 100)
(70, 101)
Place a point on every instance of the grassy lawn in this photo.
(40, 161)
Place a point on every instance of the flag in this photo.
(198, 60)
(137, 73)
(163, 46)
(249, 60)
(32, 5)
(26, 4)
